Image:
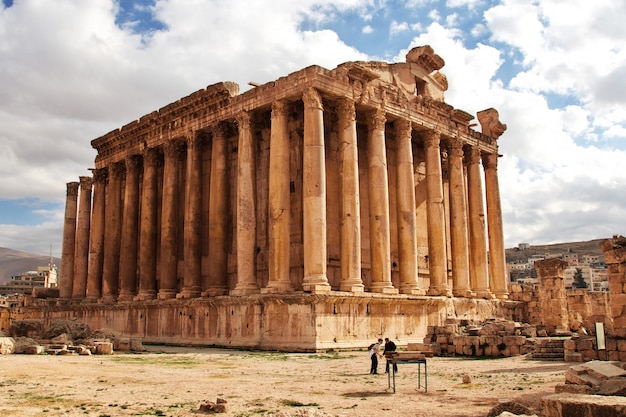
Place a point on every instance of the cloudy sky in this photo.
(72, 70)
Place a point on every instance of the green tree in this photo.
(579, 281)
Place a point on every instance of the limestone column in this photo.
(96, 244)
(479, 277)
(193, 219)
(218, 214)
(405, 202)
(246, 209)
(81, 251)
(69, 241)
(112, 234)
(314, 195)
(458, 222)
(350, 206)
(497, 256)
(380, 239)
(437, 260)
(279, 230)
(130, 226)
(168, 285)
(148, 226)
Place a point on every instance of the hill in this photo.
(15, 262)
(590, 247)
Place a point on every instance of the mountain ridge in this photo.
(16, 262)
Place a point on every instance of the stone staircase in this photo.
(549, 349)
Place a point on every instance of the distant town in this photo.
(587, 269)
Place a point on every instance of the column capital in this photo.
(345, 109)
(312, 99)
(72, 189)
(117, 169)
(220, 130)
(472, 154)
(99, 174)
(376, 119)
(86, 183)
(133, 163)
(243, 120)
(151, 156)
(490, 161)
(173, 148)
(455, 148)
(280, 108)
(403, 127)
(432, 139)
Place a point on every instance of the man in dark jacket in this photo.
(390, 347)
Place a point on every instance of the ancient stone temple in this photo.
(319, 210)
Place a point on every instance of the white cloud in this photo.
(367, 29)
(398, 27)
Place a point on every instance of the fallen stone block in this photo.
(613, 386)
(33, 350)
(573, 389)
(604, 370)
(103, 348)
(565, 404)
(581, 379)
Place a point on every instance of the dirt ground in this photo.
(169, 381)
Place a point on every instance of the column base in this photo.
(354, 287)
(501, 295)
(88, 300)
(384, 288)
(240, 292)
(317, 284)
(412, 290)
(108, 299)
(465, 293)
(126, 297)
(484, 293)
(277, 288)
(145, 295)
(439, 292)
(214, 292)
(192, 292)
(166, 294)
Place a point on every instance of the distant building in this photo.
(523, 246)
(44, 276)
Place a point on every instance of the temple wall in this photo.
(301, 322)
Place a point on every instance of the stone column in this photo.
(350, 206)
(279, 230)
(112, 234)
(66, 278)
(246, 209)
(130, 226)
(81, 252)
(96, 244)
(380, 239)
(314, 195)
(193, 219)
(479, 277)
(458, 222)
(615, 257)
(218, 214)
(497, 256)
(169, 220)
(552, 295)
(405, 202)
(148, 226)
(437, 260)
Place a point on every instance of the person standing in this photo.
(374, 352)
(389, 347)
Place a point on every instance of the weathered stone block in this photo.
(104, 348)
(7, 345)
(565, 404)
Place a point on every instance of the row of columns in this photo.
(103, 259)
